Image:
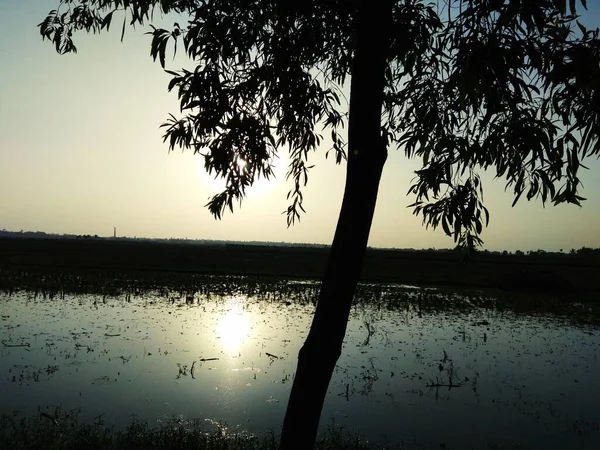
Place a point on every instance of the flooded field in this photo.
(418, 365)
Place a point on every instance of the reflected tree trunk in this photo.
(366, 157)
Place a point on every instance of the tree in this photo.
(508, 86)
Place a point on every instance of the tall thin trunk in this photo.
(366, 157)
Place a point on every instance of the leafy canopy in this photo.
(512, 86)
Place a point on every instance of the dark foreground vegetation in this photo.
(59, 431)
(537, 271)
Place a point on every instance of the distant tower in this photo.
(115, 232)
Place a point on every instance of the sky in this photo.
(81, 152)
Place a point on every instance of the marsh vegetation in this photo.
(101, 265)
(426, 366)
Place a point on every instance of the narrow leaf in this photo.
(123, 29)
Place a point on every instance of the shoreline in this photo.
(113, 258)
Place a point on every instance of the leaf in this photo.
(175, 44)
(445, 226)
(478, 226)
(57, 39)
(123, 29)
(162, 49)
(516, 199)
(457, 228)
(106, 21)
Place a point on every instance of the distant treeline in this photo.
(43, 235)
(583, 251)
(107, 258)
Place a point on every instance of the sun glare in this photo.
(261, 185)
(233, 328)
(241, 164)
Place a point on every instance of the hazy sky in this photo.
(81, 151)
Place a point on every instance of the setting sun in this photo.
(241, 163)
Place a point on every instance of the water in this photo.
(461, 376)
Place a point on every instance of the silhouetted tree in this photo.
(508, 86)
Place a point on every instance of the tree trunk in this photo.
(366, 156)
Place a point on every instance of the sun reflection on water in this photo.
(233, 328)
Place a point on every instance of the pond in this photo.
(462, 374)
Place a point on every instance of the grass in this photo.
(105, 257)
(175, 287)
(54, 268)
(62, 431)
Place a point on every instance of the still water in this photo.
(460, 376)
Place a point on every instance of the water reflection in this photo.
(233, 328)
(414, 371)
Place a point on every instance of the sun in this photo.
(260, 186)
(241, 164)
